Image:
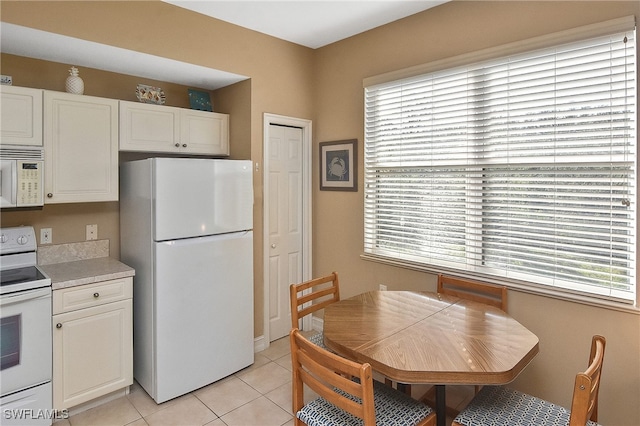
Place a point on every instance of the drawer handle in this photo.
(96, 295)
(59, 325)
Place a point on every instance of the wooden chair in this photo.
(323, 291)
(499, 405)
(342, 400)
(473, 290)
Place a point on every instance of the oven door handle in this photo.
(11, 299)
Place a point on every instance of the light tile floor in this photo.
(258, 395)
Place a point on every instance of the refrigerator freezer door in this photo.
(197, 197)
(204, 311)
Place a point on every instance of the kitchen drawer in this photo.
(85, 296)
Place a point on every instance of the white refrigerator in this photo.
(186, 228)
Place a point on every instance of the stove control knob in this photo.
(23, 239)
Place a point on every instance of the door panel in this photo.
(80, 148)
(204, 311)
(196, 197)
(285, 223)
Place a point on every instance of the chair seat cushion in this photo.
(318, 339)
(392, 408)
(497, 405)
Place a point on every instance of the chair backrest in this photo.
(325, 372)
(323, 291)
(585, 390)
(477, 291)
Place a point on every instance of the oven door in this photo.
(25, 339)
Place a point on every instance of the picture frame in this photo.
(339, 165)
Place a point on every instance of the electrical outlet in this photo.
(92, 232)
(383, 287)
(46, 235)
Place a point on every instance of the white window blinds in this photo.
(521, 167)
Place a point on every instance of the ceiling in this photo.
(311, 23)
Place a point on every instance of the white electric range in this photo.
(25, 321)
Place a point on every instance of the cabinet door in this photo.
(92, 353)
(149, 128)
(21, 112)
(205, 133)
(81, 148)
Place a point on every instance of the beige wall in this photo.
(280, 83)
(326, 85)
(564, 328)
(68, 221)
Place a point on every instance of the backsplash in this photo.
(71, 252)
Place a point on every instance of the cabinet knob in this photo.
(96, 294)
(184, 145)
(49, 195)
(273, 246)
(177, 145)
(59, 325)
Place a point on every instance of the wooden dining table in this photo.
(416, 337)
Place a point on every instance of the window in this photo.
(520, 168)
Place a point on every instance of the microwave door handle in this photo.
(13, 187)
(14, 184)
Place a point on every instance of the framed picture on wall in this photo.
(338, 165)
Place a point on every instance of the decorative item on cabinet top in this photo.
(74, 83)
(150, 94)
(200, 100)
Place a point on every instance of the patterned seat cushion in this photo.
(497, 405)
(318, 339)
(393, 408)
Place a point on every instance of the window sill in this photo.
(530, 288)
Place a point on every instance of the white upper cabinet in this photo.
(21, 111)
(81, 148)
(204, 132)
(159, 128)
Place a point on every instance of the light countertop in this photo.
(88, 271)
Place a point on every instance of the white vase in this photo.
(74, 83)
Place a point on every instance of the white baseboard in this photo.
(260, 344)
(98, 401)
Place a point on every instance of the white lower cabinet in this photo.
(92, 341)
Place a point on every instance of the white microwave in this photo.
(21, 177)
